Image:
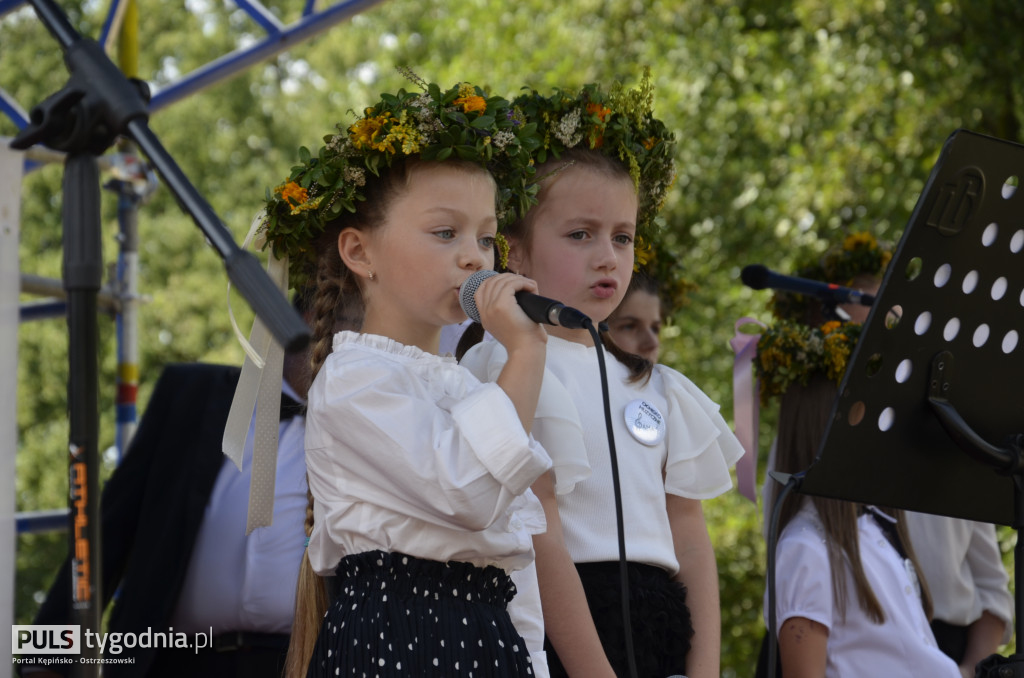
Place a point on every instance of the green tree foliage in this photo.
(796, 121)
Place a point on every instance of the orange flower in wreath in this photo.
(292, 193)
(602, 112)
(472, 103)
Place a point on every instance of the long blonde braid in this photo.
(311, 598)
(310, 606)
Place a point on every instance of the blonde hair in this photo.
(337, 296)
(310, 605)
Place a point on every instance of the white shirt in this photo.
(407, 451)
(961, 562)
(691, 460)
(236, 582)
(903, 646)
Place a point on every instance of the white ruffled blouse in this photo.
(407, 451)
(691, 459)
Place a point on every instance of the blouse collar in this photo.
(387, 345)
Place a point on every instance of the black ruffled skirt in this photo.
(659, 616)
(398, 616)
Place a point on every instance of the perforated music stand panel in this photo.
(956, 285)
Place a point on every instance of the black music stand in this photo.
(930, 413)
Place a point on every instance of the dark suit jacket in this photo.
(153, 504)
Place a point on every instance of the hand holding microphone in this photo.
(539, 309)
(493, 302)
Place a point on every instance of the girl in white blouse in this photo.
(849, 602)
(418, 472)
(674, 449)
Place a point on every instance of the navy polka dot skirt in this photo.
(397, 615)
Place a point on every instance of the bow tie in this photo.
(290, 407)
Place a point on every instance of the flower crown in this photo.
(859, 254)
(462, 122)
(618, 123)
(790, 352)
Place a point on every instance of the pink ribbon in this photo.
(745, 407)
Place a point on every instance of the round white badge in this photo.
(645, 422)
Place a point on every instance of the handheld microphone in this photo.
(539, 309)
(758, 277)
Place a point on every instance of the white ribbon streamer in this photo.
(254, 230)
(259, 389)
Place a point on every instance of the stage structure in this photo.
(10, 185)
(316, 18)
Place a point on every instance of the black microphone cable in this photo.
(541, 309)
(619, 526)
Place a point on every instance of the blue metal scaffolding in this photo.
(120, 294)
(278, 37)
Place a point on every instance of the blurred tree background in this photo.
(796, 121)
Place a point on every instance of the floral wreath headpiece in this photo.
(462, 122)
(859, 254)
(790, 352)
(619, 123)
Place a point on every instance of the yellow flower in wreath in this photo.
(364, 133)
(861, 240)
(643, 252)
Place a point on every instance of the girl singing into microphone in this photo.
(419, 473)
(604, 172)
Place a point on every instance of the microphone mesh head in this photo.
(467, 298)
